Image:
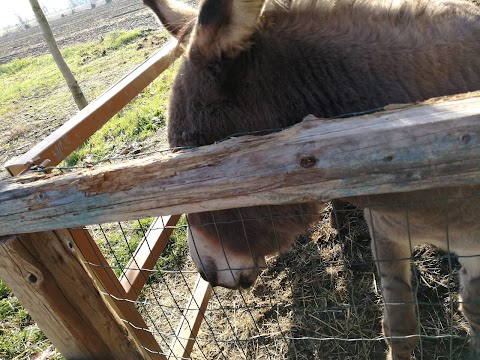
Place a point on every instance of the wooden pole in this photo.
(146, 255)
(191, 320)
(62, 65)
(418, 147)
(43, 271)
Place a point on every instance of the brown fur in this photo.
(263, 230)
(327, 58)
(350, 63)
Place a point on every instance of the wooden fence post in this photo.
(191, 320)
(43, 271)
(115, 294)
(55, 293)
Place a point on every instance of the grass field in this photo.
(34, 101)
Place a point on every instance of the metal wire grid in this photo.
(319, 300)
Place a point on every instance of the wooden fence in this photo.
(314, 160)
(63, 296)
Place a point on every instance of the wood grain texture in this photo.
(43, 271)
(96, 264)
(434, 144)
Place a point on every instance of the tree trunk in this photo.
(57, 56)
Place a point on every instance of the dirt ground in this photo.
(79, 27)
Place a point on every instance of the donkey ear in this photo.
(177, 17)
(225, 26)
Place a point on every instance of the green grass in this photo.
(34, 96)
(117, 39)
(34, 87)
(139, 120)
(14, 66)
(118, 241)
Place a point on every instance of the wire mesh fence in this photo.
(321, 299)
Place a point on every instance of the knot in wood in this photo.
(32, 278)
(307, 161)
(465, 138)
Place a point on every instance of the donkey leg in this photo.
(470, 299)
(400, 323)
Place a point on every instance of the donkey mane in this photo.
(417, 23)
(345, 13)
(338, 18)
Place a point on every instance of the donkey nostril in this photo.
(208, 271)
(211, 277)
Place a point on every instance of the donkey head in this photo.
(218, 91)
(229, 247)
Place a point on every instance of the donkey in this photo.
(252, 65)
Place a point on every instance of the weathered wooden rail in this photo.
(430, 145)
(411, 147)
